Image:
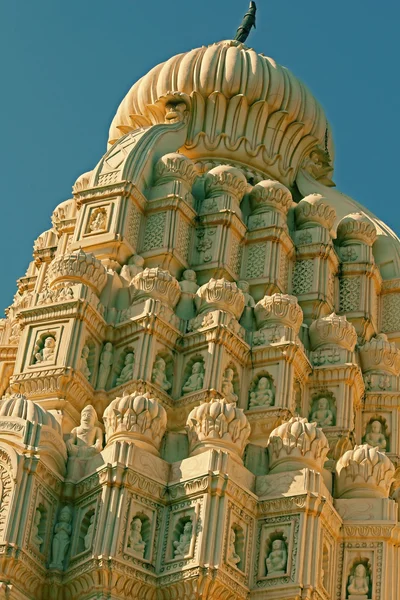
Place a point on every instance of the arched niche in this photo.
(375, 435)
(197, 359)
(262, 391)
(323, 409)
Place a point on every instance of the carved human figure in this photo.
(36, 539)
(182, 547)
(106, 361)
(247, 318)
(375, 435)
(185, 308)
(89, 534)
(135, 542)
(86, 439)
(48, 350)
(195, 381)
(134, 266)
(159, 376)
(359, 582)
(322, 414)
(83, 367)
(98, 220)
(233, 557)
(262, 395)
(227, 386)
(277, 558)
(127, 372)
(61, 539)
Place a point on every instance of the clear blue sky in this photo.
(66, 65)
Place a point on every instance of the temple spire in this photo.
(249, 21)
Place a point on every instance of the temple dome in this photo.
(239, 100)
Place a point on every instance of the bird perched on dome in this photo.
(246, 25)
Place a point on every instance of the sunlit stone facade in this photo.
(199, 371)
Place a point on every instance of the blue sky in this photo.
(65, 66)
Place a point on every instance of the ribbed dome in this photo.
(244, 106)
(19, 406)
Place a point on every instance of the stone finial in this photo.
(78, 267)
(314, 210)
(158, 284)
(136, 418)
(364, 472)
(220, 294)
(279, 309)
(356, 227)
(18, 406)
(270, 195)
(381, 355)
(175, 166)
(333, 330)
(297, 444)
(218, 424)
(225, 179)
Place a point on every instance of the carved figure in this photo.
(227, 386)
(159, 376)
(127, 372)
(195, 381)
(375, 435)
(87, 439)
(84, 362)
(233, 557)
(247, 318)
(135, 265)
(98, 220)
(359, 582)
(36, 539)
(106, 361)
(277, 558)
(89, 534)
(322, 415)
(182, 547)
(48, 350)
(61, 539)
(135, 542)
(186, 307)
(262, 395)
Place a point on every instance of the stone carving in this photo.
(333, 330)
(98, 220)
(78, 267)
(158, 284)
(270, 195)
(217, 424)
(83, 365)
(364, 472)
(233, 557)
(175, 166)
(375, 436)
(276, 560)
(136, 418)
(36, 538)
(61, 539)
(182, 546)
(303, 277)
(88, 539)
(225, 179)
(86, 440)
(322, 413)
(132, 268)
(319, 165)
(256, 261)
(349, 294)
(127, 371)
(135, 541)
(155, 231)
(186, 308)
(356, 227)
(262, 395)
(220, 294)
(159, 376)
(296, 444)
(227, 386)
(279, 309)
(47, 353)
(380, 354)
(106, 361)
(314, 210)
(359, 582)
(196, 379)
(247, 318)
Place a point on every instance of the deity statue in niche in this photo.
(262, 395)
(134, 266)
(86, 439)
(322, 413)
(106, 361)
(83, 367)
(195, 381)
(61, 539)
(247, 318)
(36, 539)
(359, 583)
(159, 376)
(98, 220)
(135, 541)
(185, 308)
(182, 547)
(127, 372)
(233, 557)
(227, 386)
(47, 353)
(375, 435)
(276, 560)
(89, 534)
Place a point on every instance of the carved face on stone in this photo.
(65, 515)
(360, 571)
(189, 275)
(160, 364)
(129, 359)
(49, 342)
(244, 286)
(197, 367)
(323, 403)
(263, 384)
(136, 260)
(277, 545)
(175, 112)
(188, 528)
(229, 374)
(88, 417)
(85, 352)
(376, 427)
(137, 525)
(108, 347)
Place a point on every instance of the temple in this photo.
(200, 373)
